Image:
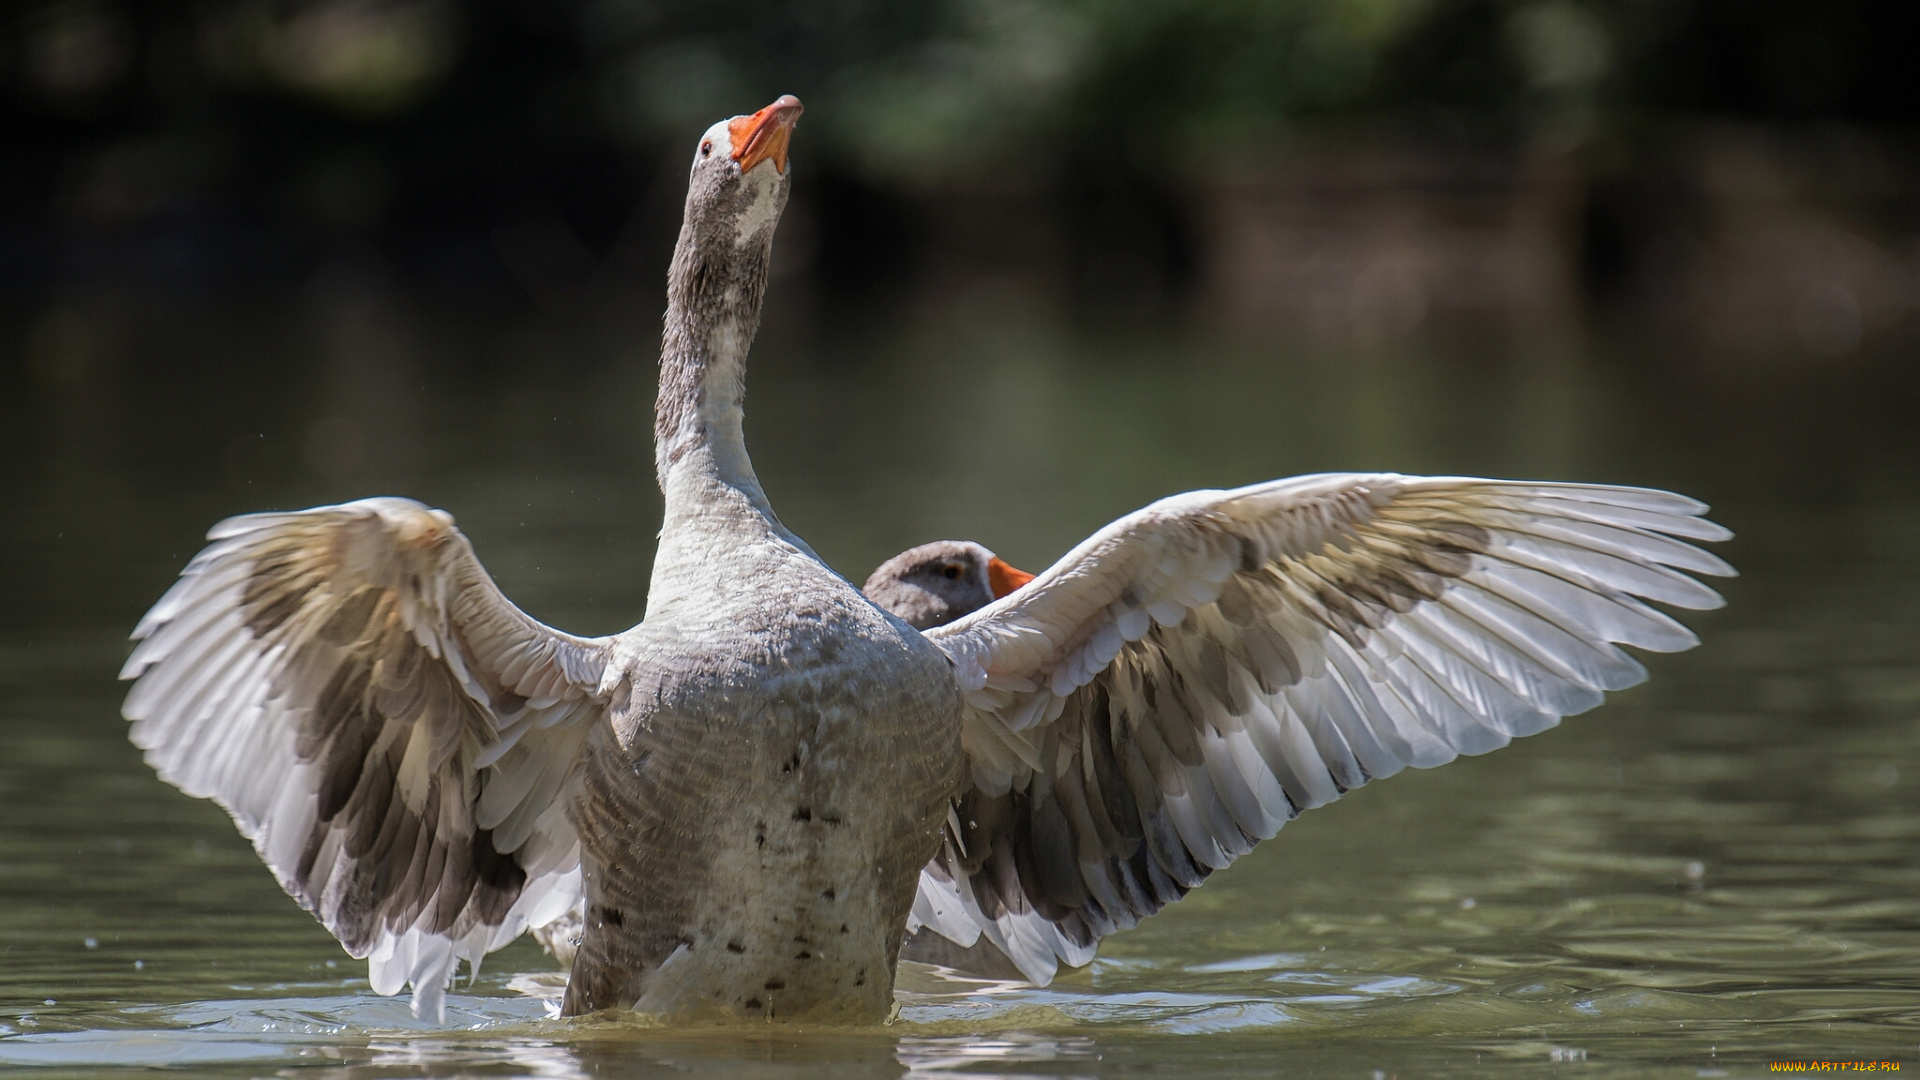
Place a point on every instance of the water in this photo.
(1717, 870)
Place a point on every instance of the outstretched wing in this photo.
(391, 733)
(1199, 672)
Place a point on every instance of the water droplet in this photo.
(1696, 870)
(1467, 903)
(91, 943)
(49, 1001)
(139, 965)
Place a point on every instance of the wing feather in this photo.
(1193, 676)
(390, 732)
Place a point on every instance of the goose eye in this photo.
(951, 571)
(706, 148)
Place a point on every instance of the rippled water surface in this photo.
(1716, 870)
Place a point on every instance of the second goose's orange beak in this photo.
(763, 136)
(1004, 578)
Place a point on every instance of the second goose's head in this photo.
(936, 583)
(740, 179)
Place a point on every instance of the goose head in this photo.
(936, 583)
(739, 181)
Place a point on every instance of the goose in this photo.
(934, 584)
(756, 792)
(927, 586)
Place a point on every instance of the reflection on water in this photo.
(1714, 871)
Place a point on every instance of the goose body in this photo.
(741, 849)
(926, 586)
(751, 797)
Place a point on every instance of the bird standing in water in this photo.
(755, 793)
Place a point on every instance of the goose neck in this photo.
(699, 414)
(714, 290)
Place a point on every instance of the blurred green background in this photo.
(1742, 171)
(277, 253)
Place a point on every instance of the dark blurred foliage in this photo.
(506, 150)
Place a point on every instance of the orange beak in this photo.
(1003, 578)
(763, 136)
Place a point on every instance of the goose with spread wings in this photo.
(754, 794)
